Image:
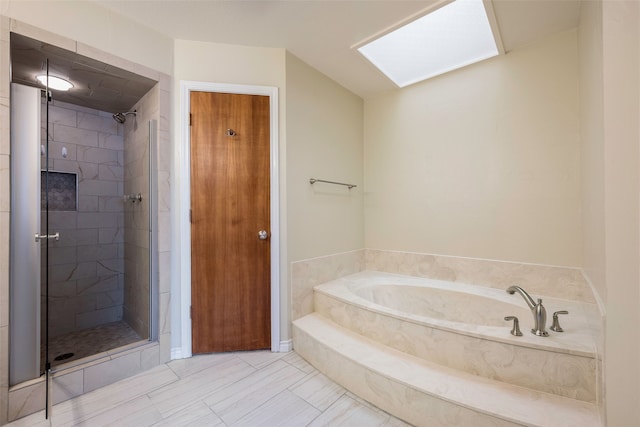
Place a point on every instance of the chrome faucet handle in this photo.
(555, 326)
(515, 331)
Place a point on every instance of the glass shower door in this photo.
(47, 236)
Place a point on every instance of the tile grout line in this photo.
(259, 368)
(202, 398)
(288, 389)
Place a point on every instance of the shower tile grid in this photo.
(224, 389)
(91, 341)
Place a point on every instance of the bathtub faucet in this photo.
(537, 309)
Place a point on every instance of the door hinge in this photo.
(190, 119)
(190, 312)
(191, 216)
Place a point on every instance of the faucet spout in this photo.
(527, 298)
(537, 309)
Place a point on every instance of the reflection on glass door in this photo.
(30, 237)
(25, 284)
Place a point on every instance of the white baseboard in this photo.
(285, 346)
(177, 353)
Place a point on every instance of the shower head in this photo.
(122, 117)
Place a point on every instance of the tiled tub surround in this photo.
(306, 274)
(559, 282)
(441, 372)
(86, 265)
(424, 393)
(463, 327)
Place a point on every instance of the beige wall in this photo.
(482, 162)
(95, 26)
(592, 161)
(592, 142)
(621, 77)
(610, 124)
(325, 222)
(324, 140)
(224, 63)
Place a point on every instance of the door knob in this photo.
(263, 234)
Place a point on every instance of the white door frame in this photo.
(183, 172)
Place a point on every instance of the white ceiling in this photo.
(322, 32)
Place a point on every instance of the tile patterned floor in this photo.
(227, 389)
(91, 341)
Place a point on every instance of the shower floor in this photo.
(91, 341)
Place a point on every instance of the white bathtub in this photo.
(462, 326)
(443, 306)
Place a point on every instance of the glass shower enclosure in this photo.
(81, 264)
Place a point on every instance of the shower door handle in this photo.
(47, 236)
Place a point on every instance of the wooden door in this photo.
(230, 264)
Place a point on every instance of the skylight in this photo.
(451, 37)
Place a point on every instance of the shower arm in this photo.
(122, 117)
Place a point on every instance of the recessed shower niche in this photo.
(58, 191)
(85, 284)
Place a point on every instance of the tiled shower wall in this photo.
(136, 217)
(87, 263)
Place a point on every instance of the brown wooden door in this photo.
(230, 264)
